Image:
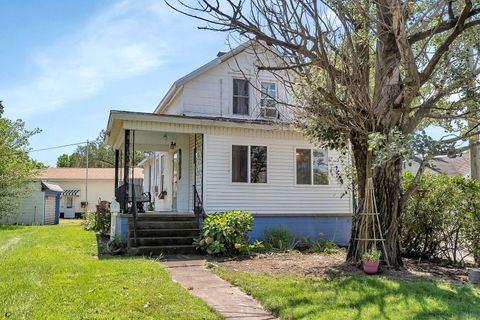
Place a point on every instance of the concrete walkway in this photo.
(227, 299)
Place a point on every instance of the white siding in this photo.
(280, 195)
(30, 208)
(211, 93)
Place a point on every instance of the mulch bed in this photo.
(319, 265)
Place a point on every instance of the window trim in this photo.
(275, 98)
(311, 184)
(249, 145)
(249, 97)
(67, 200)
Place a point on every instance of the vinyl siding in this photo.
(280, 195)
(30, 207)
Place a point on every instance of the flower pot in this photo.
(371, 267)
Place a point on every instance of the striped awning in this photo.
(71, 193)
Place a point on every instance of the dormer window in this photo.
(240, 96)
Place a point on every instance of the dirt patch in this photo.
(318, 265)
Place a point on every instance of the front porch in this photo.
(162, 214)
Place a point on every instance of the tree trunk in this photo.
(387, 184)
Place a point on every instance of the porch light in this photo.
(173, 145)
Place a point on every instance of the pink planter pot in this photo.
(371, 267)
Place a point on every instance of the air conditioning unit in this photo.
(269, 112)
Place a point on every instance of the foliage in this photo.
(225, 232)
(55, 272)
(100, 220)
(279, 239)
(371, 255)
(442, 219)
(115, 246)
(100, 155)
(16, 167)
(323, 246)
(366, 73)
(357, 297)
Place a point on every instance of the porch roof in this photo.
(178, 124)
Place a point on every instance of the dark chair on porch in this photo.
(140, 196)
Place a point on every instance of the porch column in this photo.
(117, 160)
(126, 163)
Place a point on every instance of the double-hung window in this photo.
(269, 94)
(241, 96)
(311, 166)
(249, 164)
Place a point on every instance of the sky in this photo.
(66, 64)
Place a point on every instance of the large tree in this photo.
(16, 167)
(100, 155)
(369, 76)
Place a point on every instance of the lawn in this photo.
(54, 272)
(357, 297)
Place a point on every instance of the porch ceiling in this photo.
(150, 140)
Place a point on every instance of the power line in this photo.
(57, 147)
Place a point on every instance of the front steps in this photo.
(163, 234)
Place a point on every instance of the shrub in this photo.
(442, 219)
(279, 239)
(98, 221)
(226, 233)
(323, 246)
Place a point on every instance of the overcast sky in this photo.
(65, 64)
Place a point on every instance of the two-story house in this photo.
(221, 139)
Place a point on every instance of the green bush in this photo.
(98, 221)
(323, 246)
(279, 239)
(226, 233)
(442, 219)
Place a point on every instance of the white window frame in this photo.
(311, 184)
(248, 97)
(249, 178)
(268, 97)
(66, 202)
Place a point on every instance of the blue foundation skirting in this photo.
(335, 228)
(119, 227)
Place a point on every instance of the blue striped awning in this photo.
(71, 193)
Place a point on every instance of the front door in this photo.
(175, 178)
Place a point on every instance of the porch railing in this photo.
(198, 209)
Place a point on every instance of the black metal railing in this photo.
(198, 209)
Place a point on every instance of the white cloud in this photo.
(120, 42)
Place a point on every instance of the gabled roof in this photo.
(69, 174)
(178, 85)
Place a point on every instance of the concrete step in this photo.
(166, 218)
(161, 241)
(158, 250)
(164, 225)
(186, 232)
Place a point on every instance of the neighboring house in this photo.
(452, 166)
(38, 206)
(79, 193)
(217, 143)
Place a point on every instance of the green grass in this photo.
(54, 272)
(357, 297)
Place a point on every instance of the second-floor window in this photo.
(240, 96)
(269, 94)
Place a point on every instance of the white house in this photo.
(221, 140)
(82, 191)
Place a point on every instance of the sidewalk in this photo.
(225, 298)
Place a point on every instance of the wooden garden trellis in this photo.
(368, 224)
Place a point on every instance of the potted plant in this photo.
(371, 261)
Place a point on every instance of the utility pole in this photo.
(86, 182)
